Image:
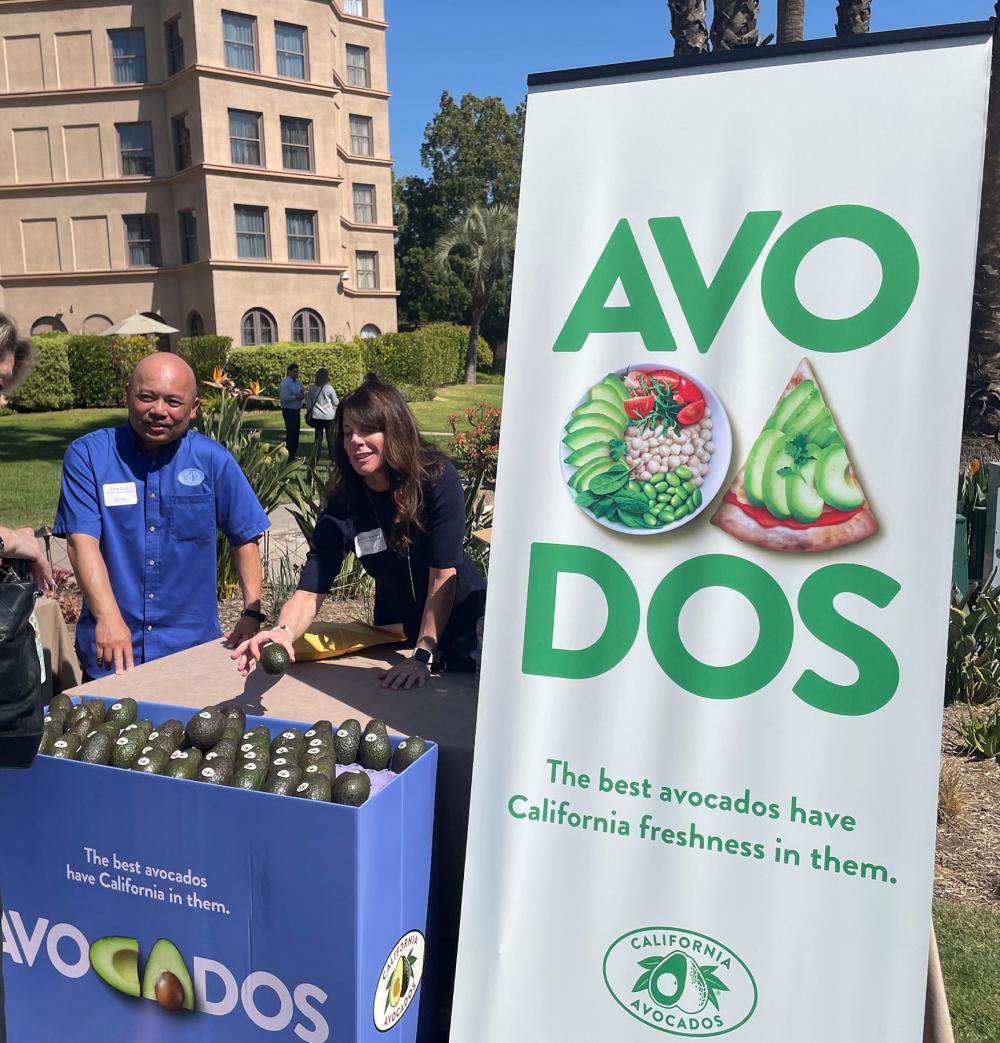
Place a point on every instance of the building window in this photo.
(175, 47)
(364, 204)
(258, 327)
(296, 143)
(142, 234)
(244, 137)
(182, 142)
(366, 264)
(196, 325)
(370, 330)
(361, 136)
(128, 53)
(307, 327)
(290, 44)
(356, 7)
(251, 233)
(189, 236)
(135, 144)
(301, 227)
(357, 66)
(240, 34)
(49, 324)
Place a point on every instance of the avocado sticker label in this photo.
(680, 982)
(398, 980)
(722, 549)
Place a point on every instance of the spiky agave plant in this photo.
(854, 17)
(688, 26)
(982, 396)
(734, 24)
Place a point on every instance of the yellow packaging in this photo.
(330, 640)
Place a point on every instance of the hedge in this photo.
(458, 338)
(431, 356)
(269, 365)
(204, 354)
(48, 386)
(99, 367)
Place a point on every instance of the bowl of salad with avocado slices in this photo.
(646, 449)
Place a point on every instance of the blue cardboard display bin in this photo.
(291, 915)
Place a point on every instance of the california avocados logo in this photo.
(398, 981)
(680, 982)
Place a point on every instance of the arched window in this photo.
(48, 324)
(307, 327)
(371, 330)
(259, 327)
(196, 325)
(95, 324)
(162, 339)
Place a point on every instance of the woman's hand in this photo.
(247, 653)
(41, 570)
(410, 673)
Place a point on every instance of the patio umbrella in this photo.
(137, 325)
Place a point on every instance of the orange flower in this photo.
(974, 467)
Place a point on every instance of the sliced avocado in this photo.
(116, 961)
(593, 420)
(806, 415)
(396, 983)
(819, 423)
(604, 392)
(805, 502)
(590, 453)
(789, 404)
(582, 479)
(617, 385)
(584, 437)
(407, 752)
(601, 412)
(351, 788)
(753, 475)
(184, 764)
(345, 742)
(67, 746)
(826, 436)
(775, 485)
(315, 787)
(123, 712)
(284, 780)
(375, 750)
(96, 748)
(205, 729)
(834, 480)
(167, 979)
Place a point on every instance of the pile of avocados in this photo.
(215, 747)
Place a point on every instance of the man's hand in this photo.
(247, 653)
(41, 570)
(246, 627)
(410, 673)
(114, 644)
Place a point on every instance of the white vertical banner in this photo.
(707, 755)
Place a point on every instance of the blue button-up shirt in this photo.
(156, 518)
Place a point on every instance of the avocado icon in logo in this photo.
(116, 961)
(678, 981)
(167, 979)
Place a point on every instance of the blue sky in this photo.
(489, 48)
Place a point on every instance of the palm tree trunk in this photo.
(854, 17)
(471, 353)
(791, 20)
(688, 26)
(985, 336)
(734, 24)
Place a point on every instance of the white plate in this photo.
(718, 467)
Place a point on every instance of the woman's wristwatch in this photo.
(423, 656)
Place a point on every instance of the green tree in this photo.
(688, 26)
(791, 20)
(853, 17)
(484, 238)
(734, 24)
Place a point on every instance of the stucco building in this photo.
(225, 165)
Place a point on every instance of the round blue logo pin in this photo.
(192, 476)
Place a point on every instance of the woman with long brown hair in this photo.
(397, 503)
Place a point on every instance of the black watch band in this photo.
(423, 656)
(252, 613)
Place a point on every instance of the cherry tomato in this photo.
(665, 376)
(687, 391)
(690, 414)
(638, 407)
(634, 381)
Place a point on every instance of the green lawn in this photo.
(969, 942)
(32, 446)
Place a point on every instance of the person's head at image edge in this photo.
(162, 399)
(16, 356)
(322, 377)
(376, 445)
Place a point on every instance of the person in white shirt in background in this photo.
(290, 395)
(321, 408)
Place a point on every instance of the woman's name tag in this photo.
(372, 542)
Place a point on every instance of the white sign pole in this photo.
(710, 711)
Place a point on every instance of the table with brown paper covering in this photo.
(444, 711)
(62, 668)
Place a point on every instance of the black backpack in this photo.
(20, 674)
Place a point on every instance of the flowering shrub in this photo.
(67, 593)
(476, 450)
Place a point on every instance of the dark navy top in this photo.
(156, 518)
(401, 578)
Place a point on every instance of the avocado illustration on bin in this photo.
(166, 980)
(402, 975)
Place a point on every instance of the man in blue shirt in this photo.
(139, 506)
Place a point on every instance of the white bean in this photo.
(644, 476)
(710, 447)
(655, 466)
(636, 442)
(708, 411)
(645, 457)
(673, 461)
(631, 431)
(698, 480)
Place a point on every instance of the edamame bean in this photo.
(676, 500)
(668, 517)
(684, 473)
(664, 497)
(634, 486)
(651, 520)
(659, 483)
(696, 499)
(672, 478)
(682, 511)
(648, 491)
(689, 486)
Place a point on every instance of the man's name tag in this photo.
(372, 542)
(120, 494)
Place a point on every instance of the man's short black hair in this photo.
(294, 365)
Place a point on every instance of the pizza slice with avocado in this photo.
(797, 491)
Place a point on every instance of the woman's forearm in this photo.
(299, 611)
(17, 543)
(437, 608)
